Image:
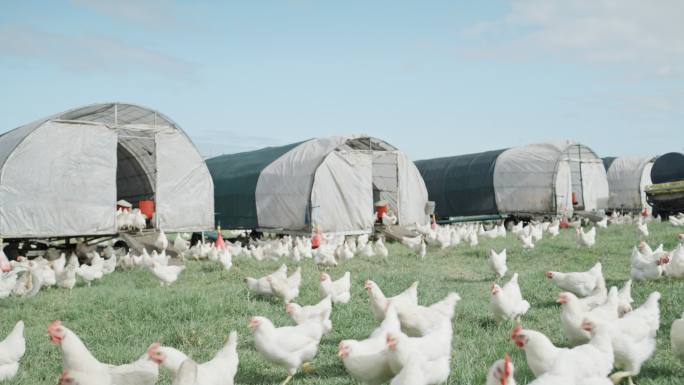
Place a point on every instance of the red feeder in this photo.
(147, 208)
(564, 222)
(574, 198)
(381, 208)
(316, 239)
(219, 239)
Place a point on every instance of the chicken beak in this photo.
(562, 300)
(549, 274)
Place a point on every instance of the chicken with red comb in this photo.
(82, 368)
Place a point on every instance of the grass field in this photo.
(119, 316)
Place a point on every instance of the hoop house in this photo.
(627, 179)
(538, 179)
(62, 175)
(329, 182)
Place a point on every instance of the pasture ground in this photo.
(122, 314)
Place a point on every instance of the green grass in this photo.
(119, 316)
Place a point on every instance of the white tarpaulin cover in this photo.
(329, 183)
(540, 178)
(627, 177)
(63, 191)
(62, 176)
(185, 192)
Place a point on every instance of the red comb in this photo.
(53, 325)
(152, 348)
(507, 365)
(516, 330)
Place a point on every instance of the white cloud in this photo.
(87, 53)
(644, 37)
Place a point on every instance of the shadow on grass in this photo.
(468, 280)
(488, 323)
(254, 376)
(547, 304)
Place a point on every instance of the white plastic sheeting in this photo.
(627, 178)
(413, 195)
(185, 192)
(524, 179)
(341, 190)
(70, 186)
(58, 175)
(329, 183)
(283, 190)
(541, 178)
(564, 189)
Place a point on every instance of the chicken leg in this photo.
(617, 377)
(289, 377)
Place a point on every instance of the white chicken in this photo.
(8, 281)
(319, 312)
(643, 267)
(526, 240)
(540, 352)
(417, 321)
(412, 367)
(507, 303)
(603, 223)
(166, 274)
(633, 337)
(291, 347)
(625, 299)
(180, 244)
(501, 372)
(586, 239)
(261, 286)
(498, 263)
(412, 243)
(367, 360)
(380, 248)
(554, 228)
(573, 313)
(325, 255)
(422, 251)
(379, 303)
(161, 243)
(12, 349)
(225, 259)
(78, 361)
(642, 229)
(581, 284)
(286, 289)
(220, 370)
(587, 364)
(675, 267)
(677, 338)
(339, 290)
(89, 273)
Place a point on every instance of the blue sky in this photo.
(433, 78)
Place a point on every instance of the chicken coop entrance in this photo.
(386, 179)
(136, 165)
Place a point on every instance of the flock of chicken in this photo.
(412, 344)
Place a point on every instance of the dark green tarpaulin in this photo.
(461, 185)
(608, 161)
(235, 180)
(668, 168)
